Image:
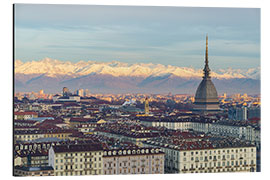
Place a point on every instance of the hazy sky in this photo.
(165, 35)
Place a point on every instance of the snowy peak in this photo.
(53, 68)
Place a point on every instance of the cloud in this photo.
(166, 35)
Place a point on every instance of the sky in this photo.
(137, 34)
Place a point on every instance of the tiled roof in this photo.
(77, 148)
(25, 113)
(181, 143)
(83, 120)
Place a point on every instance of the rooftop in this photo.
(77, 148)
(190, 141)
(25, 168)
(25, 113)
(132, 151)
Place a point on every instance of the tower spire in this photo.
(206, 67)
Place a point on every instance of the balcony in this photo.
(184, 170)
(88, 169)
(88, 156)
(68, 157)
(68, 163)
(88, 162)
(68, 170)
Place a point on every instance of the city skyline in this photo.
(132, 107)
(159, 35)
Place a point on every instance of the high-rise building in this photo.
(146, 106)
(80, 92)
(206, 98)
(254, 112)
(244, 113)
(86, 92)
(237, 113)
(65, 91)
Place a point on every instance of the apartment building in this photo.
(76, 159)
(58, 133)
(133, 161)
(205, 155)
(28, 135)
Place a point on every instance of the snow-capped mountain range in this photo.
(53, 68)
(118, 77)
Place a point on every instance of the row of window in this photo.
(40, 173)
(35, 146)
(109, 164)
(78, 160)
(217, 151)
(206, 158)
(86, 172)
(28, 136)
(61, 167)
(223, 170)
(78, 154)
(128, 171)
(219, 164)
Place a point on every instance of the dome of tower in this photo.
(206, 92)
(206, 97)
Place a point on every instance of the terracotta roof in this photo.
(24, 121)
(83, 120)
(77, 148)
(25, 113)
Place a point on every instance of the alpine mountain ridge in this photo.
(118, 77)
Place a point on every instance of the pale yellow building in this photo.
(202, 157)
(82, 159)
(133, 161)
(27, 135)
(60, 134)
